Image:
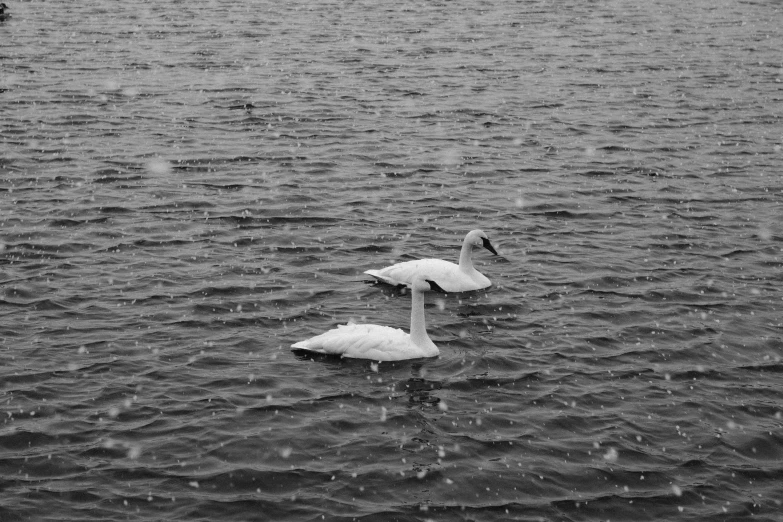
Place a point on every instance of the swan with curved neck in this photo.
(379, 343)
(450, 277)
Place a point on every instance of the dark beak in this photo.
(434, 286)
(488, 245)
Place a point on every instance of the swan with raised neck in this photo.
(449, 276)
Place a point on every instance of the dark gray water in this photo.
(187, 188)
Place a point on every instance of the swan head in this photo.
(480, 239)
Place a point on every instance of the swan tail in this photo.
(382, 278)
(305, 346)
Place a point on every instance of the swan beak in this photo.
(488, 245)
(434, 286)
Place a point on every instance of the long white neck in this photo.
(418, 328)
(465, 257)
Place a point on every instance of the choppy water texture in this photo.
(190, 187)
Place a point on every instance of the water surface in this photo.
(187, 188)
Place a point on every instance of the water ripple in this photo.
(184, 196)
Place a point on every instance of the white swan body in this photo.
(449, 276)
(379, 343)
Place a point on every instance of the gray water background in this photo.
(187, 188)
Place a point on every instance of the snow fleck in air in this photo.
(611, 455)
(134, 452)
(158, 166)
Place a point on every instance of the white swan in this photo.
(448, 276)
(379, 343)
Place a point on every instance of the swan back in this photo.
(367, 341)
